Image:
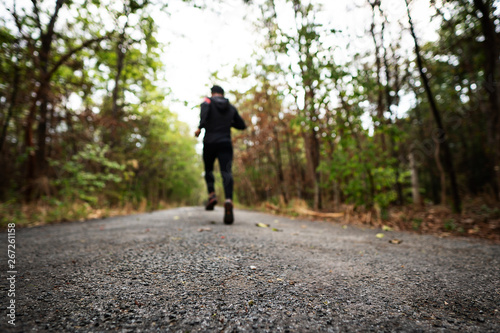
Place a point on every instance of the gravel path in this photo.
(182, 270)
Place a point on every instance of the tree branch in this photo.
(53, 19)
(37, 15)
(19, 26)
(71, 52)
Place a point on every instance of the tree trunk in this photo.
(42, 97)
(279, 167)
(448, 161)
(12, 105)
(115, 108)
(336, 195)
(415, 186)
(295, 172)
(120, 55)
(427, 153)
(492, 52)
(41, 153)
(318, 204)
(442, 175)
(381, 59)
(389, 102)
(36, 156)
(312, 155)
(378, 65)
(30, 150)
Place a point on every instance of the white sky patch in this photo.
(200, 42)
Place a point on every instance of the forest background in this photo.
(370, 118)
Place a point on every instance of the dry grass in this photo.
(47, 212)
(480, 218)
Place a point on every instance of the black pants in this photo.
(224, 153)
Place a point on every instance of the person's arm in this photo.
(205, 108)
(238, 122)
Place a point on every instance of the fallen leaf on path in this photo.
(176, 217)
(473, 231)
(204, 229)
(262, 225)
(395, 241)
(274, 229)
(380, 235)
(386, 228)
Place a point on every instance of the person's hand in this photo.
(197, 133)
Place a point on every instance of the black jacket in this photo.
(217, 116)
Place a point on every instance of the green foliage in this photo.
(87, 173)
(416, 223)
(110, 139)
(347, 168)
(65, 210)
(167, 165)
(11, 214)
(450, 225)
(385, 179)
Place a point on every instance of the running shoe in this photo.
(212, 201)
(228, 212)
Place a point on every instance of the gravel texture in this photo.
(183, 270)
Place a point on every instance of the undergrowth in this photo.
(49, 211)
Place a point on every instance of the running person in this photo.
(217, 116)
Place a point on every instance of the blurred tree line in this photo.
(81, 116)
(328, 123)
(335, 118)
